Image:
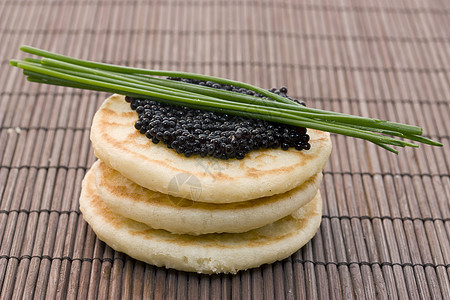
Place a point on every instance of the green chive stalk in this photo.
(56, 69)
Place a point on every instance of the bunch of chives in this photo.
(56, 69)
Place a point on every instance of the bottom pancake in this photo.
(208, 253)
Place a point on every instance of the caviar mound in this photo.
(263, 172)
(196, 132)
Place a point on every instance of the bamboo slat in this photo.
(385, 227)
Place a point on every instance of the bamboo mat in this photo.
(385, 229)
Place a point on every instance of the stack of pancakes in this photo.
(199, 214)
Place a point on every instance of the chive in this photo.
(300, 122)
(62, 70)
(122, 69)
(410, 129)
(113, 78)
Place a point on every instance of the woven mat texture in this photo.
(385, 229)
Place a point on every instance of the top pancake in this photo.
(262, 173)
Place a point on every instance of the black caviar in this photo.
(197, 132)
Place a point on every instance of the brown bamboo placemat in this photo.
(385, 230)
